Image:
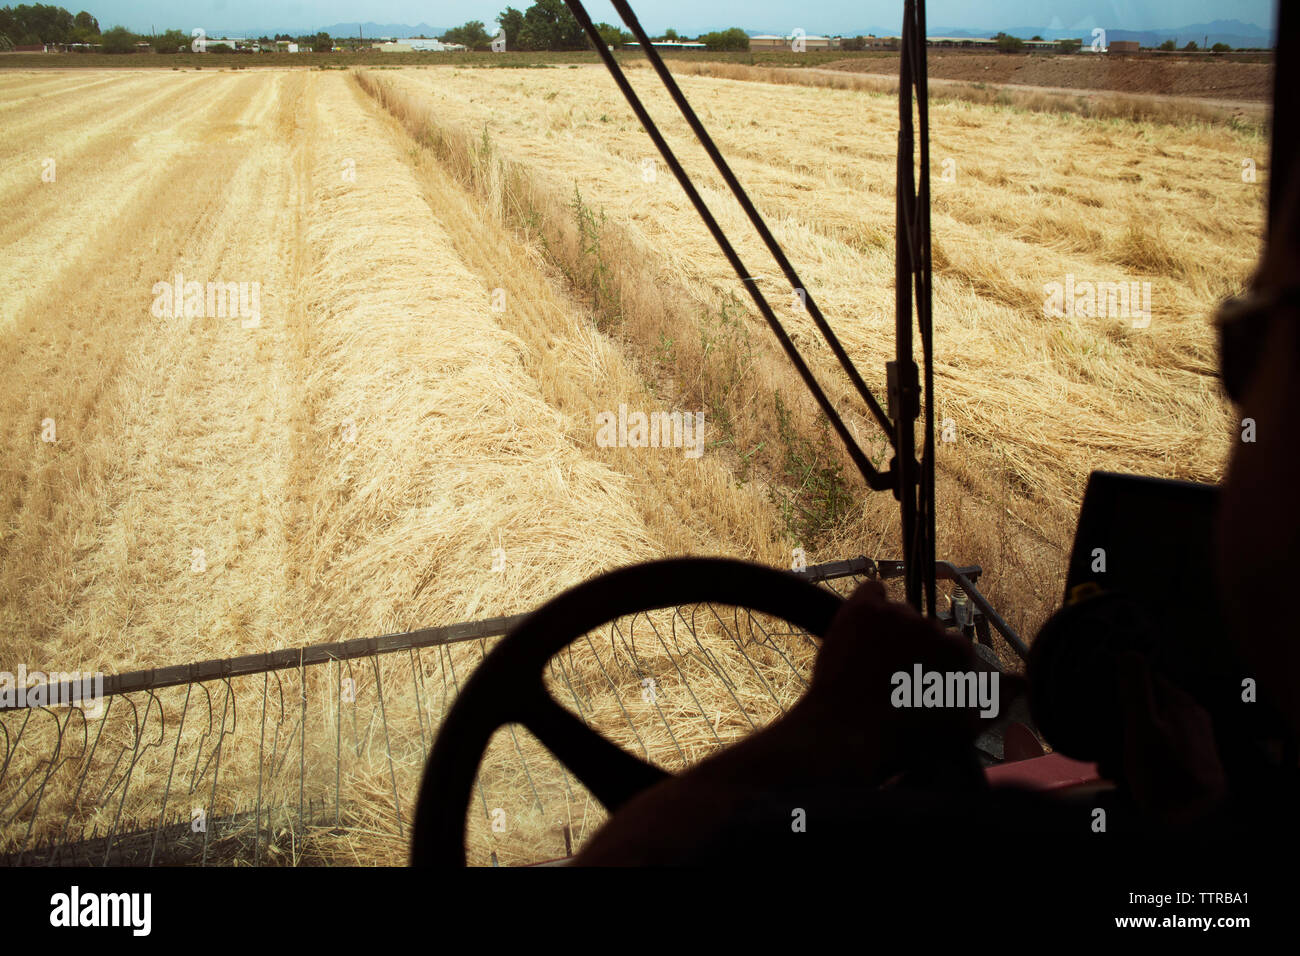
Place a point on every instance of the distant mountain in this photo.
(1235, 33)
(1232, 32)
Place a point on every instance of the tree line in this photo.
(548, 25)
(30, 24)
(40, 23)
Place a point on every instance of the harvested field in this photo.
(1033, 199)
(418, 290)
(1165, 74)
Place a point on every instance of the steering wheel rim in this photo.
(508, 686)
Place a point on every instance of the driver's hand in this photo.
(844, 737)
(854, 689)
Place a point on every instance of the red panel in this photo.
(1049, 772)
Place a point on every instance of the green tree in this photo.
(614, 37)
(118, 40)
(734, 39)
(512, 22)
(172, 41)
(1168, 45)
(548, 25)
(1069, 46)
(1008, 44)
(29, 24)
(1220, 48)
(1191, 46)
(321, 43)
(1036, 38)
(853, 43)
(85, 22)
(472, 35)
(670, 34)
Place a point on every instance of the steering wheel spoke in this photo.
(613, 775)
(507, 687)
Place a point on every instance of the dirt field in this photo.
(1172, 75)
(444, 277)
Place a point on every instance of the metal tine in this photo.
(261, 750)
(695, 633)
(417, 681)
(705, 655)
(558, 661)
(228, 707)
(194, 775)
(685, 683)
(771, 642)
(136, 753)
(362, 741)
(279, 722)
(22, 786)
(718, 668)
(85, 740)
(630, 645)
(338, 740)
(388, 747)
(55, 764)
(302, 739)
(356, 742)
(10, 752)
(4, 767)
(745, 654)
(618, 698)
(455, 682)
(793, 632)
(103, 797)
(162, 812)
(85, 774)
(50, 764)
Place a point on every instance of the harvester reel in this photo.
(507, 687)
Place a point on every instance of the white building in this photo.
(424, 46)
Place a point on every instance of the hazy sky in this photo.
(687, 16)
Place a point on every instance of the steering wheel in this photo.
(507, 687)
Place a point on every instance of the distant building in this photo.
(669, 45)
(1122, 46)
(969, 42)
(394, 47)
(767, 41)
(421, 45)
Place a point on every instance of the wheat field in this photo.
(445, 276)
